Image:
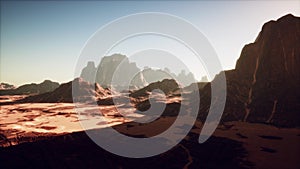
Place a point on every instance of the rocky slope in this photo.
(45, 86)
(167, 86)
(6, 86)
(264, 85)
(85, 92)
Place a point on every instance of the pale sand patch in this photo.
(55, 118)
(11, 98)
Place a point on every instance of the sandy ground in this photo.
(267, 146)
(11, 98)
(47, 119)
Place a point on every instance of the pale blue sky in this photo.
(42, 40)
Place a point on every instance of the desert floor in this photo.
(266, 146)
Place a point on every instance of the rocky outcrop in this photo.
(77, 89)
(168, 86)
(45, 86)
(6, 86)
(264, 85)
(88, 72)
(108, 67)
(274, 92)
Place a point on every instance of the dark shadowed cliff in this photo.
(264, 85)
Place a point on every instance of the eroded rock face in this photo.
(120, 63)
(264, 85)
(88, 72)
(275, 93)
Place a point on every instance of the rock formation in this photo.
(6, 86)
(88, 73)
(85, 92)
(123, 70)
(264, 86)
(119, 66)
(167, 86)
(45, 86)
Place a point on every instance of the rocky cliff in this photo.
(264, 86)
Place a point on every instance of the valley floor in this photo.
(49, 135)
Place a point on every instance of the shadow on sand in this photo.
(76, 150)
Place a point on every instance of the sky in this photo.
(43, 39)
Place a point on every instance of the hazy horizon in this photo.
(42, 40)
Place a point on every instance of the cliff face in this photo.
(88, 72)
(275, 94)
(264, 85)
(109, 65)
(106, 69)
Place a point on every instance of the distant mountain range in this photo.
(108, 66)
(33, 88)
(264, 86)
